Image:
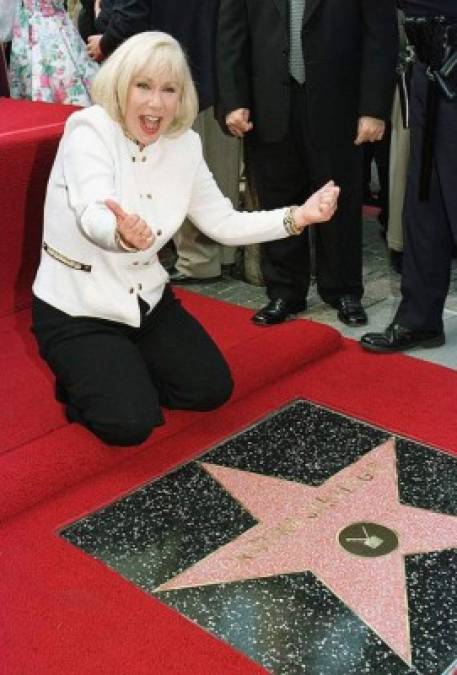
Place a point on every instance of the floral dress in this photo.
(48, 56)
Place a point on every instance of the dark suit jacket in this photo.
(117, 21)
(192, 22)
(86, 19)
(350, 49)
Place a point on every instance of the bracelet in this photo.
(289, 223)
(122, 244)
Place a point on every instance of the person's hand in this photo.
(93, 47)
(318, 208)
(133, 230)
(238, 122)
(369, 129)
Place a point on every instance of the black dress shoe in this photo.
(177, 277)
(350, 311)
(397, 338)
(277, 311)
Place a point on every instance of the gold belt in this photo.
(74, 264)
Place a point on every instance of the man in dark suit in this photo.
(307, 82)
(191, 23)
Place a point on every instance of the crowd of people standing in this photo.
(307, 85)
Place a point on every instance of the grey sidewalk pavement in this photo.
(382, 291)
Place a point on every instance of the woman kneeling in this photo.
(128, 171)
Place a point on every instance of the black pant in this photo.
(287, 173)
(430, 226)
(114, 377)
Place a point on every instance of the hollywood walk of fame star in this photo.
(302, 528)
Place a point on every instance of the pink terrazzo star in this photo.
(299, 528)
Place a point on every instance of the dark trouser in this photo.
(430, 226)
(286, 173)
(114, 378)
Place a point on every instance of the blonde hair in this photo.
(145, 53)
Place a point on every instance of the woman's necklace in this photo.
(140, 145)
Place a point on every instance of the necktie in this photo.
(296, 64)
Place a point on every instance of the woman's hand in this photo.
(319, 208)
(133, 230)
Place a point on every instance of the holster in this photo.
(434, 40)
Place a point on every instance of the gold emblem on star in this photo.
(368, 540)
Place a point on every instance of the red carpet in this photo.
(63, 612)
(41, 454)
(29, 134)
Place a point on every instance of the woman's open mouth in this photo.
(150, 124)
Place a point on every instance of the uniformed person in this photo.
(430, 213)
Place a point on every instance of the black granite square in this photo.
(292, 622)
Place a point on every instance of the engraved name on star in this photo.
(338, 531)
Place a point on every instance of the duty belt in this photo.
(435, 43)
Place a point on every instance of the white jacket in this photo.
(164, 183)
